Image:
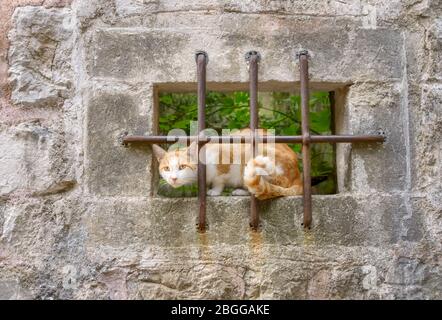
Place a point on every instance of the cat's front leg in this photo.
(217, 188)
(215, 191)
(240, 192)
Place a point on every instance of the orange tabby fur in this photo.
(260, 175)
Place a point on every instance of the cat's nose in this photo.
(174, 179)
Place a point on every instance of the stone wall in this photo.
(78, 213)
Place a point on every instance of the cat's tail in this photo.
(257, 174)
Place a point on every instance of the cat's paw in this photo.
(240, 192)
(214, 192)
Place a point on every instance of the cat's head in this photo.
(178, 167)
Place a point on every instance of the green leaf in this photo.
(281, 111)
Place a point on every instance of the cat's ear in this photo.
(158, 152)
(192, 152)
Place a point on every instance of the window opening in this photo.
(306, 138)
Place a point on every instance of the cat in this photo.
(272, 173)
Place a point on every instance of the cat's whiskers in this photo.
(264, 176)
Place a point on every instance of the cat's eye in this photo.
(166, 168)
(182, 167)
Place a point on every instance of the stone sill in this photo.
(339, 219)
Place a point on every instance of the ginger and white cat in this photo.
(273, 173)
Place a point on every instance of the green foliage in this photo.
(277, 110)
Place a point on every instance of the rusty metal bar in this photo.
(306, 139)
(347, 138)
(201, 61)
(252, 58)
(334, 174)
(242, 139)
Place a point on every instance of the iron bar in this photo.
(306, 139)
(252, 58)
(201, 60)
(237, 139)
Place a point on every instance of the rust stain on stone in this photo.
(204, 245)
(255, 243)
(309, 238)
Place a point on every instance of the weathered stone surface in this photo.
(33, 161)
(79, 218)
(40, 56)
(267, 272)
(371, 108)
(434, 57)
(427, 125)
(339, 220)
(111, 168)
(429, 208)
(364, 14)
(143, 55)
(10, 289)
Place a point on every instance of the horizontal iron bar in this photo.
(245, 139)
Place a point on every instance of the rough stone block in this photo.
(40, 56)
(338, 220)
(362, 14)
(368, 168)
(33, 228)
(426, 121)
(434, 58)
(10, 289)
(164, 56)
(111, 168)
(429, 208)
(251, 272)
(40, 242)
(33, 161)
(377, 239)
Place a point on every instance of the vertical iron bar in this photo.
(307, 197)
(201, 59)
(252, 57)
